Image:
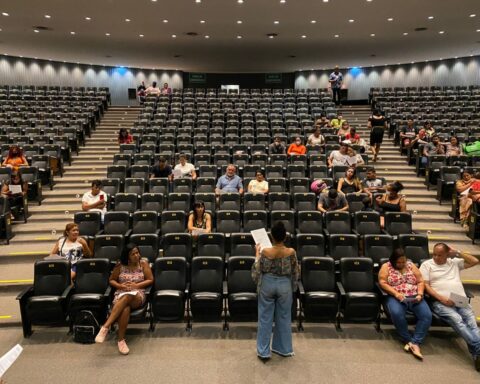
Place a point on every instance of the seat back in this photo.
(309, 222)
(318, 274)
(177, 245)
(242, 244)
(92, 275)
(170, 273)
(310, 245)
(152, 202)
(211, 244)
(341, 246)
(254, 220)
(397, 223)
(207, 274)
(134, 185)
(304, 201)
(147, 244)
(239, 274)
(116, 223)
(145, 222)
(158, 185)
(89, 223)
(337, 222)
(356, 274)
(228, 221)
(51, 277)
(126, 202)
(254, 202)
(108, 247)
(173, 222)
(378, 247)
(179, 202)
(279, 201)
(415, 247)
(355, 201)
(229, 201)
(286, 217)
(367, 223)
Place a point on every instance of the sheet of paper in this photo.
(459, 300)
(177, 173)
(133, 293)
(260, 236)
(198, 231)
(15, 188)
(9, 358)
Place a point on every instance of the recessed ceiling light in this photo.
(165, 20)
(207, 37)
(412, 62)
(430, 17)
(202, 21)
(5, 14)
(154, 1)
(276, 22)
(239, 21)
(441, 32)
(239, 37)
(478, 30)
(198, 1)
(313, 21)
(21, 56)
(107, 34)
(174, 36)
(283, 1)
(405, 33)
(48, 17)
(336, 36)
(88, 18)
(456, 57)
(390, 19)
(369, 1)
(351, 20)
(325, 1)
(271, 37)
(304, 36)
(141, 35)
(240, 1)
(473, 15)
(372, 35)
(72, 33)
(36, 30)
(128, 20)
(441, 58)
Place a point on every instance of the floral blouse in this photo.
(279, 266)
(405, 283)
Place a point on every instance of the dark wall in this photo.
(244, 80)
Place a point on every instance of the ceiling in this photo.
(223, 51)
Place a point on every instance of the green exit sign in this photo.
(273, 78)
(198, 78)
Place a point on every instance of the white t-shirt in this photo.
(90, 199)
(445, 278)
(258, 187)
(71, 252)
(312, 139)
(186, 169)
(338, 158)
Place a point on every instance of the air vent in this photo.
(193, 34)
(420, 29)
(42, 28)
(272, 34)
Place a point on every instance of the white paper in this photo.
(260, 236)
(198, 231)
(459, 300)
(9, 358)
(15, 188)
(177, 174)
(133, 293)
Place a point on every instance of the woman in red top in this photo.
(297, 148)
(403, 282)
(15, 159)
(124, 137)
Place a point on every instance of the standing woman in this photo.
(377, 123)
(276, 272)
(71, 247)
(130, 278)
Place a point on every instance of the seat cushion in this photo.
(168, 305)
(361, 306)
(168, 293)
(45, 309)
(242, 296)
(89, 301)
(321, 295)
(206, 296)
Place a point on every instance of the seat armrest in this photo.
(355, 232)
(341, 289)
(27, 292)
(225, 289)
(99, 232)
(108, 292)
(301, 289)
(326, 232)
(67, 292)
(127, 234)
(379, 288)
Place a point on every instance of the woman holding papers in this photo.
(130, 278)
(403, 282)
(15, 190)
(199, 221)
(276, 272)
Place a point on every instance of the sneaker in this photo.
(122, 347)
(263, 359)
(102, 334)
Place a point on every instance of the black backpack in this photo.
(85, 328)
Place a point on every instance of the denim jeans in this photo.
(336, 95)
(421, 311)
(463, 321)
(275, 303)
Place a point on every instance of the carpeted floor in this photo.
(208, 355)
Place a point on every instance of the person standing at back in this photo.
(276, 272)
(336, 80)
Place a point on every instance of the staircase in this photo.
(428, 216)
(35, 239)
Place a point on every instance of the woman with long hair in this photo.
(349, 183)
(124, 137)
(15, 159)
(199, 219)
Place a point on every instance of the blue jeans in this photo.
(398, 312)
(463, 321)
(275, 303)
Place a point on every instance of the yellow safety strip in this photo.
(5, 317)
(16, 281)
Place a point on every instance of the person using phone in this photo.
(95, 200)
(403, 282)
(441, 274)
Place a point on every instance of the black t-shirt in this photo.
(165, 172)
(377, 121)
(141, 87)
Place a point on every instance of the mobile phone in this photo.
(102, 197)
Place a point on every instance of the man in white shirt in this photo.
(441, 275)
(153, 90)
(95, 200)
(184, 169)
(339, 157)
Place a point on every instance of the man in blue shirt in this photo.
(336, 80)
(229, 182)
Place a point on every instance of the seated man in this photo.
(162, 169)
(332, 201)
(277, 147)
(95, 200)
(431, 149)
(230, 182)
(372, 184)
(339, 157)
(441, 275)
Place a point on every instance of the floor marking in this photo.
(16, 281)
(471, 281)
(26, 253)
(5, 317)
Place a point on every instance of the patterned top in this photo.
(405, 283)
(279, 266)
(130, 276)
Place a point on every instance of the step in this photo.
(54, 228)
(67, 209)
(9, 309)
